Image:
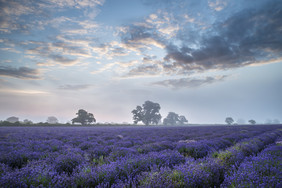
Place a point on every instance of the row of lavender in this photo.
(262, 170)
(116, 157)
(222, 169)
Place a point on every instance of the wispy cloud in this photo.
(110, 50)
(75, 87)
(189, 82)
(120, 67)
(10, 12)
(65, 41)
(76, 3)
(104, 68)
(24, 91)
(58, 51)
(144, 71)
(217, 5)
(21, 72)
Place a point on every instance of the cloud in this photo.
(138, 38)
(149, 58)
(246, 38)
(143, 71)
(23, 91)
(110, 50)
(217, 5)
(77, 3)
(154, 30)
(64, 53)
(10, 50)
(69, 48)
(74, 87)
(105, 68)
(21, 73)
(195, 45)
(10, 11)
(261, 28)
(189, 82)
(119, 66)
(215, 53)
(64, 40)
(63, 60)
(25, 15)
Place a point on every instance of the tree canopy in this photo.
(253, 122)
(148, 113)
(173, 119)
(229, 120)
(83, 117)
(12, 119)
(52, 120)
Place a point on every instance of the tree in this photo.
(229, 120)
(83, 117)
(148, 113)
(253, 122)
(182, 120)
(26, 121)
(137, 114)
(52, 120)
(173, 119)
(275, 121)
(12, 119)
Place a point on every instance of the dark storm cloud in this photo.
(74, 87)
(250, 36)
(188, 82)
(22, 72)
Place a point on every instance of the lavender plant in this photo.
(140, 156)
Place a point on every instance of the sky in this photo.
(204, 59)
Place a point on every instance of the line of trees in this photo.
(16, 120)
(149, 113)
(230, 121)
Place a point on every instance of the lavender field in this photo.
(204, 156)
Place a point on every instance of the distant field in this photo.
(140, 156)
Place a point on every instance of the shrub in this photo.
(67, 163)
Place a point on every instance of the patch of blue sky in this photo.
(116, 13)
